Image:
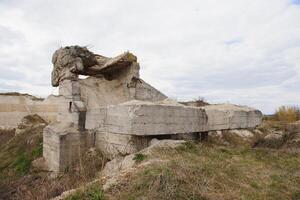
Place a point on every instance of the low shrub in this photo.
(287, 113)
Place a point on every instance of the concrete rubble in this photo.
(114, 110)
(121, 166)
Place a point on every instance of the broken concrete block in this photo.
(229, 116)
(63, 146)
(112, 144)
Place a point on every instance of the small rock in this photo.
(273, 136)
(40, 164)
(243, 133)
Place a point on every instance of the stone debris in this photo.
(243, 133)
(235, 137)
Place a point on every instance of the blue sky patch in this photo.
(295, 2)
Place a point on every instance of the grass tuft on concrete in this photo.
(139, 157)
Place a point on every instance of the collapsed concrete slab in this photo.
(147, 118)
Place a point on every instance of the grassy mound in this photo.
(20, 180)
(196, 171)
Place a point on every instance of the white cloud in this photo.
(242, 51)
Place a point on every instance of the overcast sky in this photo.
(239, 51)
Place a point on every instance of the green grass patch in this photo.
(92, 193)
(189, 147)
(139, 157)
(17, 154)
(22, 164)
(38, 150)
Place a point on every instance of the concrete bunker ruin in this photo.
(115, 111)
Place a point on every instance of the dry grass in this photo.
(290, 132)
(198, 102)
(37, 184)
(23, 144)
(90, 193)
(196, 171)
(6, 135)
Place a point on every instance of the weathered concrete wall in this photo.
(14, 107)
(123, 86)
